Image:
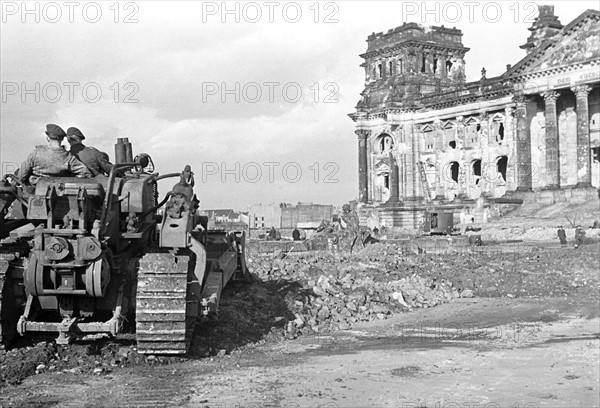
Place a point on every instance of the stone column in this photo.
(394, 181)
(460, 147)
(523, 142)
(414, 148)
(401, 163)
(584, 157)
(370, 166)
(509, 139)
(363, 175)
(438, 145)
(428, 63)
(552, 152)
(445, 59)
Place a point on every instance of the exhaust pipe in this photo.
(123, 151)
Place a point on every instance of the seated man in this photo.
(97, 161)
(52, 160)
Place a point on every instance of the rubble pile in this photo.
(330, 291)
(337, 291)
(533, 234)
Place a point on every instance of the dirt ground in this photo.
(493, 352)
(528, 335)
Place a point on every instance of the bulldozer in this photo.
(81, 256)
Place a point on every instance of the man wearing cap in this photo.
(52, 160)
(97, 161)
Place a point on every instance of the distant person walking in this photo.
(579, 236)
(562, 236)
(296, 234)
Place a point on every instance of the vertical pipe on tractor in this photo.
(123, 151)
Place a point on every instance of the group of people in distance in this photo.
(53, 160)
(579, 235)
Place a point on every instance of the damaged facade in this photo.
(428, 138)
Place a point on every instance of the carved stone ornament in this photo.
(582, 47)
(581, 91)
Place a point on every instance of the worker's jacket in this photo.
(94, 159)
(51, 161)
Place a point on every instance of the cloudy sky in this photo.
(254, 96)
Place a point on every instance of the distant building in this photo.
(304, 215)
(245, 218)
(226, 219)
(221, 215)
(264, 216)
(285, 215)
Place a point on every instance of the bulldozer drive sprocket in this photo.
(166, 309)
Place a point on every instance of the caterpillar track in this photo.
(12, 297)
(167, 302)
(4, 302)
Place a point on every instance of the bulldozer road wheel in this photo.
(165, 318)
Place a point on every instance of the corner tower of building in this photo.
(410, 61)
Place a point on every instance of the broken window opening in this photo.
(448, 65)
(386, 181)
(478, 128)
(423, 62)
(401, 68)
(596, 154)
(391, 67)
(452, 144)
(454, 167)
(435, 64)
(501, 132)
(477, 171)
(379, 71)
(501, 166)
(477, 167)
(386, 143)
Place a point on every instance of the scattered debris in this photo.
(319, 292)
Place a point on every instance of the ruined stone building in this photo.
(287, 216)
(426, 137)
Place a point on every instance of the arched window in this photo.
(502, 165)
(454, 168)
(385, 143)
(497, 128)
(477, 171)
